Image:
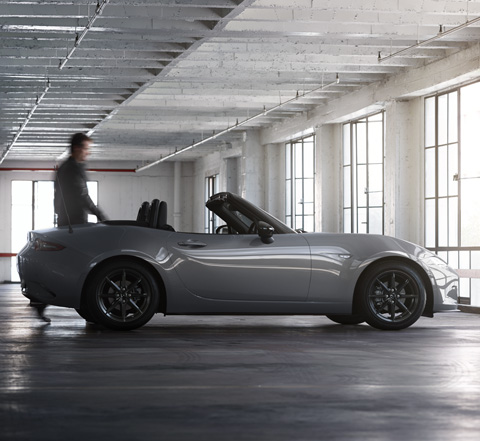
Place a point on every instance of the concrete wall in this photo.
(247, 168)
(225, 163)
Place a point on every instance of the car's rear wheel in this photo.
(391, 295)
(122, 295)
(352, 319)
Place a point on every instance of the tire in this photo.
(122, 295)
(391, 295)
(352, 319)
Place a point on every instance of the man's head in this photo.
(80, 146)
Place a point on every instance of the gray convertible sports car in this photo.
(120, 273)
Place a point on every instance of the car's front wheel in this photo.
(122, 295)
(391, 295)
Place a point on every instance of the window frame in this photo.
(292, 216)
(350, 175)
(35, 208)
(456, 254)
(210, 218)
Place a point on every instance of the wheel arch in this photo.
(428, 310)
(147, 265)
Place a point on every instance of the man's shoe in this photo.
(40, 309)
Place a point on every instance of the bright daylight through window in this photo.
(32, 209)
(300, 184)
(363, 164)
(211, 220)
(452, 182)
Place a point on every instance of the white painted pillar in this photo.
(177, 199)
(232, 167)
(328, 178)
(253, 173)
(275, 180)
(404, 170)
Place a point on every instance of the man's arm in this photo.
(80, 185)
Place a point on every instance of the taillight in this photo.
(43, 245)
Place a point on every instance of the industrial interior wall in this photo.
(218, 164)
(247, 168)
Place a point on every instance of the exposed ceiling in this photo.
(147, 77)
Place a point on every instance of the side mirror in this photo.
(265, 231)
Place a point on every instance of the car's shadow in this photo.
(67, 322)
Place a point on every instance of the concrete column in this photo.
(232, 175)
(275, 180)
(404, 170)
(253, 173)
(328, 178)
(177, 199)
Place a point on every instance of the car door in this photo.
(242, 267)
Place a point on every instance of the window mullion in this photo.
(367, 169)
(459, 169)
(353, 161)
(436, 174)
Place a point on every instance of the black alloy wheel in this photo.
(391, 295)
(123, 295)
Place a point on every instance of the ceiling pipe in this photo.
(37, 169)
(79, 38)
(27, 119)
(441, 34)
(236, 126)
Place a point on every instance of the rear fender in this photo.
(145, 261)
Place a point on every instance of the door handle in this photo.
(192, 243)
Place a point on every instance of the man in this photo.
(72, 202)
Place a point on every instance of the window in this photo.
(363, 170)
(441, 166)
(93, 193)
(32, 209)
(452, 180)
(211, 187)
(300, 184)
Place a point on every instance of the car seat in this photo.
(143, 212)
(153, 214)
(162, 215)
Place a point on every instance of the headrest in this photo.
(162, 214)
(143, 212)
(154, 212)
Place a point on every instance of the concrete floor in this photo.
(236, 378)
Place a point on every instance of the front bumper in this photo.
(445, 288)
